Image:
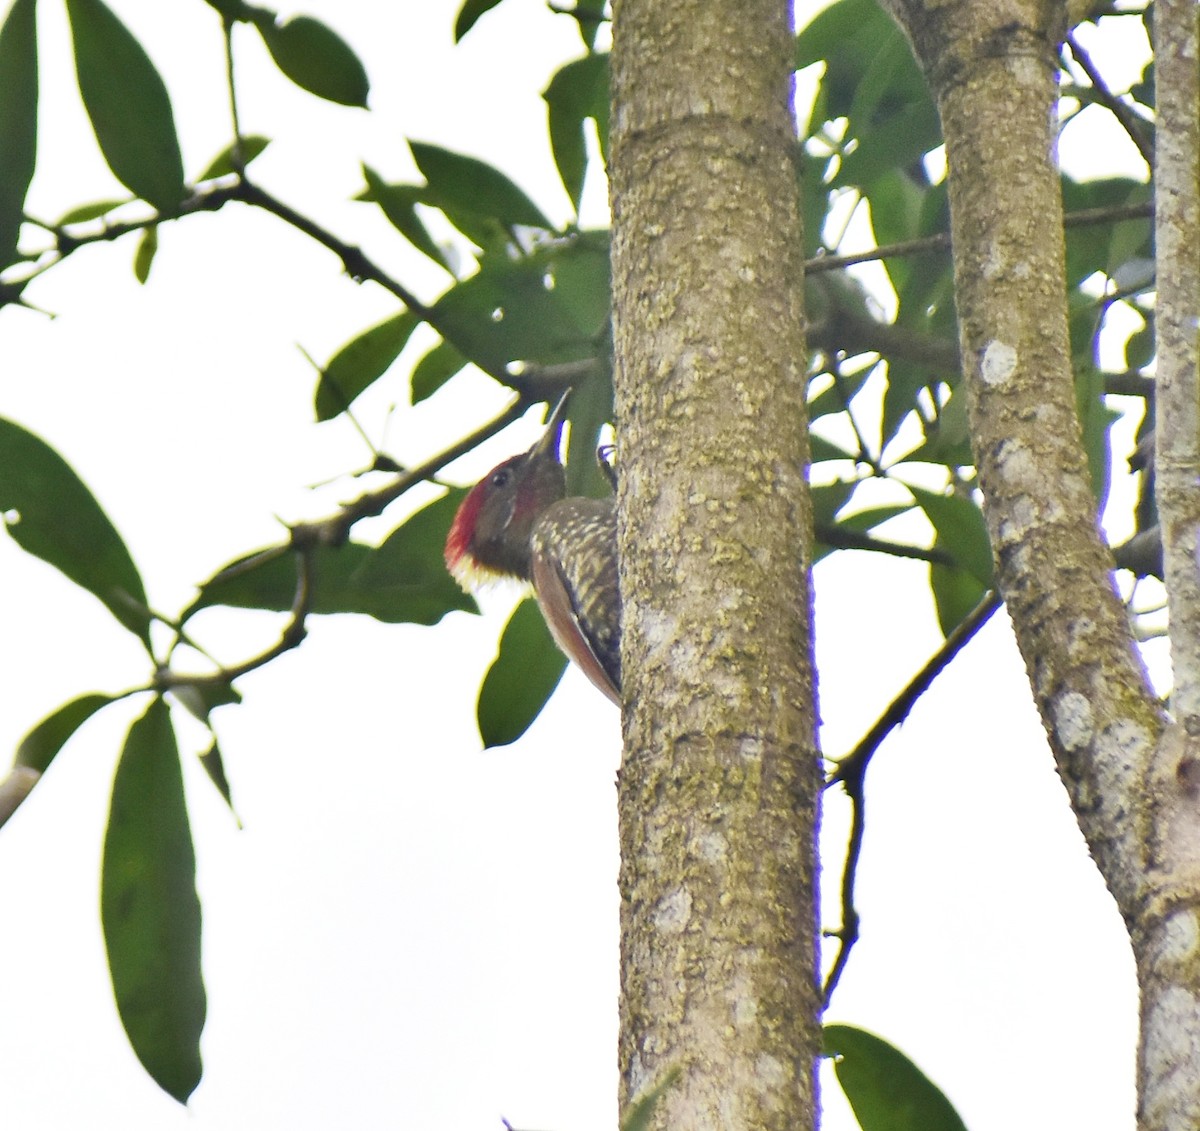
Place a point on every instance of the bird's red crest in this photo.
(459, 538)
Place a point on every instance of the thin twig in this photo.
(305, 543)
(1128, 120)
(306, 539)
(841, 538)
(851, 770)
(926, 245)
(238, 155)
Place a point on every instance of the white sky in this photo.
(409, 932)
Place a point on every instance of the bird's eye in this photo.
(501, 477)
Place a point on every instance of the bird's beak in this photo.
(548, 444)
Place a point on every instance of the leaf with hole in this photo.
(886, 1090)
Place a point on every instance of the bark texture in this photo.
(1167, 939)
(1133, 784)
(720, 782)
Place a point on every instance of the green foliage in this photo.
(577, 93)
(886, 1090)
(40, 746)
(314, 57)
(149, 909)
(50, 513)
(458, 184)
(434, 369)
(242, 152)
(411, 556)
(523, 676)
(143, 258)
(268, 580)
(361, 362)
(468, 16)
(18, 120)
(399, 204)
(128, 106)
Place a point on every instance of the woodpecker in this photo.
(518, 522)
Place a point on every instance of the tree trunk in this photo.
(1131, 777)
(721, 780)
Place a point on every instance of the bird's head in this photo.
(489, 537)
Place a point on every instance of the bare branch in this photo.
(851, 771)
(927, 245)
(1129, 121)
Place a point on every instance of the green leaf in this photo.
(948, 440)
(955, 591)
(149, 908)
(268, 581)
(51, 514)
(398, 203)
(1140, 346)
(202, 698)
(588, 16)
(468, 16)
(18, 120)
(143, 258)
(522, 677)
(872, 80)
(128, 106)
(580, 274)
(361, 362)
(578, 91)
(822, 449)
(413, 553)
(886, 1090)
(640, 1112)
(840, 393)
(1095, 418)
(40, 746)
(961, 530)
(93, 211)
(223, 164)
(829, 498)
(315, 58)
(1091, 247)
(435, 369)
(231, 9)
(459, 183)
(508, 311)
(214, 766)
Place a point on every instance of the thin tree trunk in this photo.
(1166, 936)
(720, 783)
(1132, 780)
